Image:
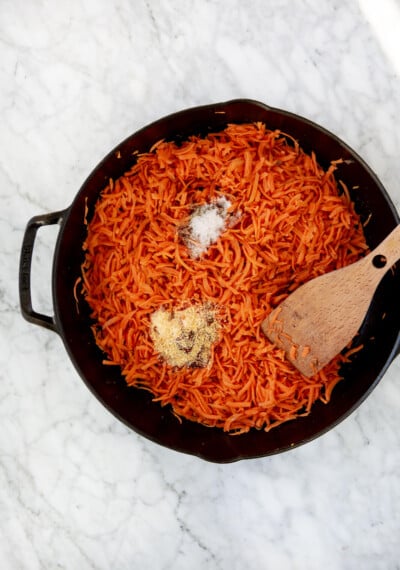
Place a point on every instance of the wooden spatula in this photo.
(318, 320)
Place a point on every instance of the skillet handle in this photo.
(25, 265)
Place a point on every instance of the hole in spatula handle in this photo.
(379, 261)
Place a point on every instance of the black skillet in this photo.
(134, 407)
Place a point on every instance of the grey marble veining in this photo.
(77, 489)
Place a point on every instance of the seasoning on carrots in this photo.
(295, 224)
(184, 337)
(206, 223)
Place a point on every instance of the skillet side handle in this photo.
(25, 265)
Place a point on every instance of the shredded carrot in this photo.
(77, 282)
(353, 351)
(294, 223)
(293, 352)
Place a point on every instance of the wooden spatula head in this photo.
(318, 320)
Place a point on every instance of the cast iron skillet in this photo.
(134, 407)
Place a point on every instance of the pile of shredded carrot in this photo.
(295, 223)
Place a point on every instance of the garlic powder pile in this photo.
(184, 337)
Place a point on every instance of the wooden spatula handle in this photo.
(383, 256)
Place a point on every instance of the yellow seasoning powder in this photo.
(184, 337)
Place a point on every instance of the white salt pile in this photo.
(206, 224)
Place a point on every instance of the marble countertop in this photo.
(78, 490)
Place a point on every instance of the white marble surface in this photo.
(77, 489)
